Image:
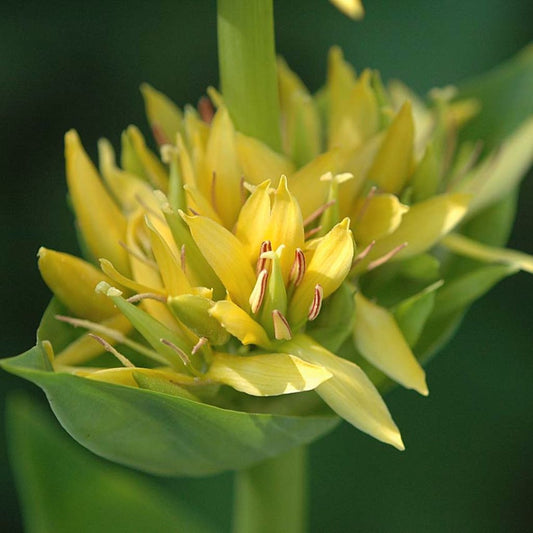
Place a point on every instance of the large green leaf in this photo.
(153, 431)
(99, 497)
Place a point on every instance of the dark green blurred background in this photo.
(468, 464)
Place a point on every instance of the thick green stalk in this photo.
(271, 496)
(247, 63)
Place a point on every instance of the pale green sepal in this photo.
(269, 374)
(426, 177)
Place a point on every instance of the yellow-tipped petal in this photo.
(462, 245)
(253, 221)
(349, 392)
(73, 281)
(380, 341)
(364, 109)
(393, 163)
(285, 226)
(239, 323)
(108, 268)
(353, 8)
(421, 228)
(328, 267)
(269, 374)
(102, 224)
(226, 255)
(222, 163)
(377, 217)
(200, 204)
(259, 162)
(153, 168)
(164, 116)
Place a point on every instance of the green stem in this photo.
(247, 63)
(271, 496)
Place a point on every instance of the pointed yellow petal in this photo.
(363, 108)
(285, 226)
(153, 168)
(226, 255)
(239, 323)
(259, 162)
(164, 116)
(392, 165)
(380, 341)
(269, 374)
(102, 224)
(108, 268)
(377, 217)
(222, 163)
(462, 245)
(253, 221)
(421, 228)
(200, 204)
(353, 8)
(328, 267)
(73, 281)
(349, 392)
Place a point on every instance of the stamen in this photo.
(183, 356)
(363, 254)
(312, 232)
(201, 342)
(266, 246)
(384, 258)
(159, 135)
(148, 209)
(259, 291)
(139, 256)
(282, 330)
(298, 268)
(108, 348)
(366, 204)
(318, 212)
(194, 212)
(213, 191)
(205, 109)
(183, 263)
(316, 304)
(147, 296)
(243, 191)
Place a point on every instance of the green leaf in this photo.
(505, 97)
(99, 497)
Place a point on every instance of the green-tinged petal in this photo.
(226, 255)
(363, 109)
(239, 323)
(328, 267)
(253, 221)
(426, 177)
(377, 217)
(353, 8)
(502, 171)
(164, 116)
(154, 170)
(349, 392)
(269, 374)
(223, 168)
(150, 328)
(193, 311)
(73, 281)
(259, 162)
(102, 227)
(393, 163)
(462, 245)
(421, 228)
(380, 340)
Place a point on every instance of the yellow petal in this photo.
(328, 267)
(380, 341)
(153, 168)
(259, 162)
(222, 163)
(393, 163)
(422, 227)
(363, 109)
(285, 226)
(108, 268)
(226, 255)
(164, 116)
(377, 217)
(352, 8)
(349, 392)
(239, 323)
(269, 374)
(253, 221)
(102, 224)
(462, 245)
(200, 204)
(73, 281)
